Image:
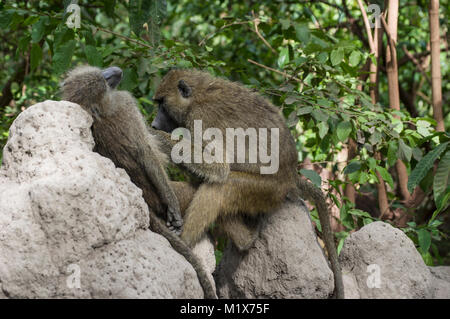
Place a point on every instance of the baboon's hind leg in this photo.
(242, 192)
(243, 232)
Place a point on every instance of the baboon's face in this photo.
(174, 96)
(113, 76)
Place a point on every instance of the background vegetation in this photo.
(358, 99)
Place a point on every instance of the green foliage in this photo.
(149, 13)
(312, 176)
(317, 68)
(424, 165)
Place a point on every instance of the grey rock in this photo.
(441, 282)
(384, 263)
(286, 261)
(69, 218)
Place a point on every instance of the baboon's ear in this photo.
(184, 89)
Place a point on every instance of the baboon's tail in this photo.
(177, 244)
(314, 194)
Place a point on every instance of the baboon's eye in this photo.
(184, 89)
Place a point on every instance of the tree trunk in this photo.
(436, 65)
(391, 58)
(394, 95)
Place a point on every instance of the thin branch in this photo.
(277, 71)
(416, 63)
(367, 26)
(256, 22)
(125, 37)
(391, 41)
(426, 98)
(220, 29)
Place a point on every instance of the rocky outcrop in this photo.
(74, 225)
(286, 261)
(440, 282)
(380, 261)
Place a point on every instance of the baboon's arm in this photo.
(211, 172)
(155, 172)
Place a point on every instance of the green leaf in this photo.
(375, 138)
(303, 33)
(323, 129)
(290, 99)
(5, 18)
(313, 176)
(63, 56)
(443, 204)
(397, 125)
(417, 153)
(343, 130)
(352, 167)
(30, 20)
(38, 29)
(292, 119)
(93, 56)
(340, 245)
(392, 153)
(285, 24)
(322, 57)
(424, 166)
(358, 212)
(62, 35)
(284, 57)
(304, 110)
(35, 56)
(385, 175)
(130, 80)
(404, 151)
(354, 59)
(424, 131)
(427, 258)
(337, 56)
(319, 115)
(424, 239)
(441, 179)
(422, 123)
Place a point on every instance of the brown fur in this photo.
(120, 133)
(232, 190)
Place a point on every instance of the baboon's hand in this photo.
(112, 75)
(174, 219)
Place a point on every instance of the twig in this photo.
(367, 25)
(390, 39)
(423, 96)
(220, 29)
(256, 22)
(416, 63)
(125, 37)
(277, 71)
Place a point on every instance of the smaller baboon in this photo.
(120, 133)
(232, 190)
